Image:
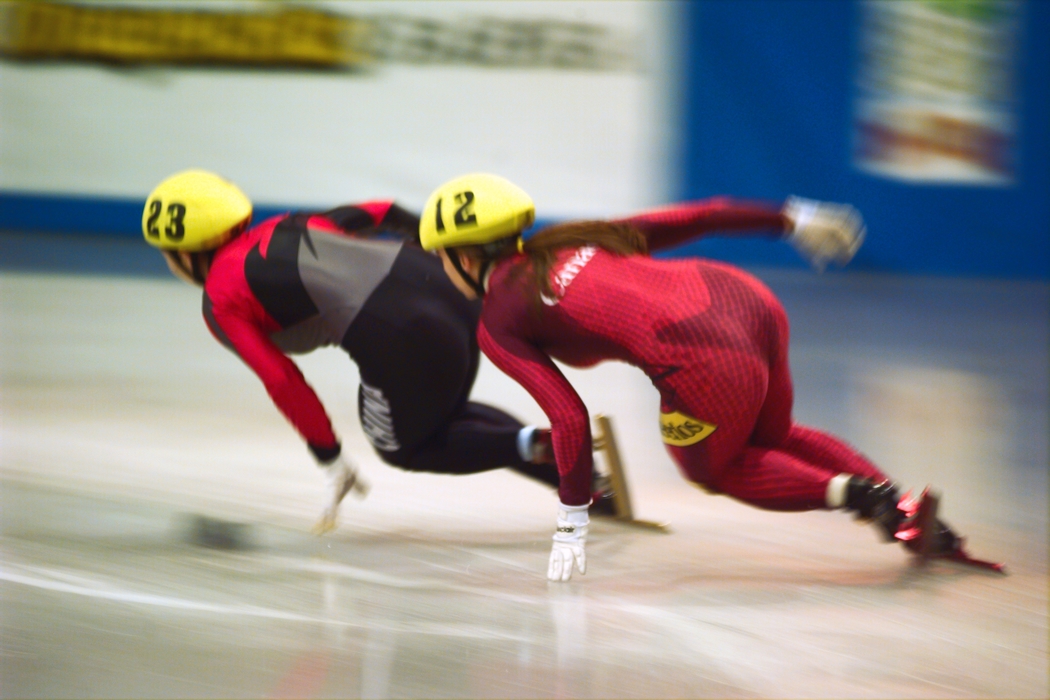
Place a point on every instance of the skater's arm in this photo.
(401, 221)
(676, 224)
(376, 217)
(570, 424)
(283, 380)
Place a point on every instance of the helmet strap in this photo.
(475, 284)
(200, 263)
(189, 267)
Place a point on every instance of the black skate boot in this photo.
(876, 502)
(602, 502)
(542, 447)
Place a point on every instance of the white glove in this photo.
(824, 232)
(342, 478)
(568, 543)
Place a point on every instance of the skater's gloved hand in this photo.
(823, 232)
(342, 477)
(569, 540)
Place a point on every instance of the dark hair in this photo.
(194, 267)
(542, 248)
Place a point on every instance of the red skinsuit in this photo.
(241, 321)
(713, 339)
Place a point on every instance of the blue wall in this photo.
(767, 112)
(53, 213)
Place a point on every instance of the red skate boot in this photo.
(923, 534)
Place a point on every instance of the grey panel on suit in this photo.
(340, 273)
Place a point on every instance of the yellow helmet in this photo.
(473, 210)
(193, 211)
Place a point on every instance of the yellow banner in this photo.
(681, 430)
(281, 37)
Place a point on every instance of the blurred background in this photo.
(930, 116)
(122, 422)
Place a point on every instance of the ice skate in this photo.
(879, 504)
(929, 538)
(603, 497)
(605, 442)
(604, 501)
(342, 479)
(542, 449)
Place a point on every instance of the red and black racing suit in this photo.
(355, 277)
(713, 339)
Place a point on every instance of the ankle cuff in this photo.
(525, 442)
(837, 490)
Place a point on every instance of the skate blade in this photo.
(605, 442)
(360, 488)
(644, 524)
(961, 557)
(323, 526)
(924, 530)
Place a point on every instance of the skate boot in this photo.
(878, 503)
(928, 537)
(542, 447)
(922, 532)
(943, 542)
(602, 496)
(603, 501)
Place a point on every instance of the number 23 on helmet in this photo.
(194, 211)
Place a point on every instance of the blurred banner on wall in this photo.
(932, 117)
(315, 104)
(937, 90)
(279, 35)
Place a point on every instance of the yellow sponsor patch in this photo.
(681, 430)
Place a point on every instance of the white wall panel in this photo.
(581, 142)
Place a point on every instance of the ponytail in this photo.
(542, 248)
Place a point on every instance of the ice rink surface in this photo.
(122, 421)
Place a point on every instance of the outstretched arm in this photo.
(370, 218)
(676, 224)
(283, 380)
(821, 232)
(300, 405)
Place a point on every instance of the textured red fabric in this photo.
(673, 225)
(792, 475)
(713, 339)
